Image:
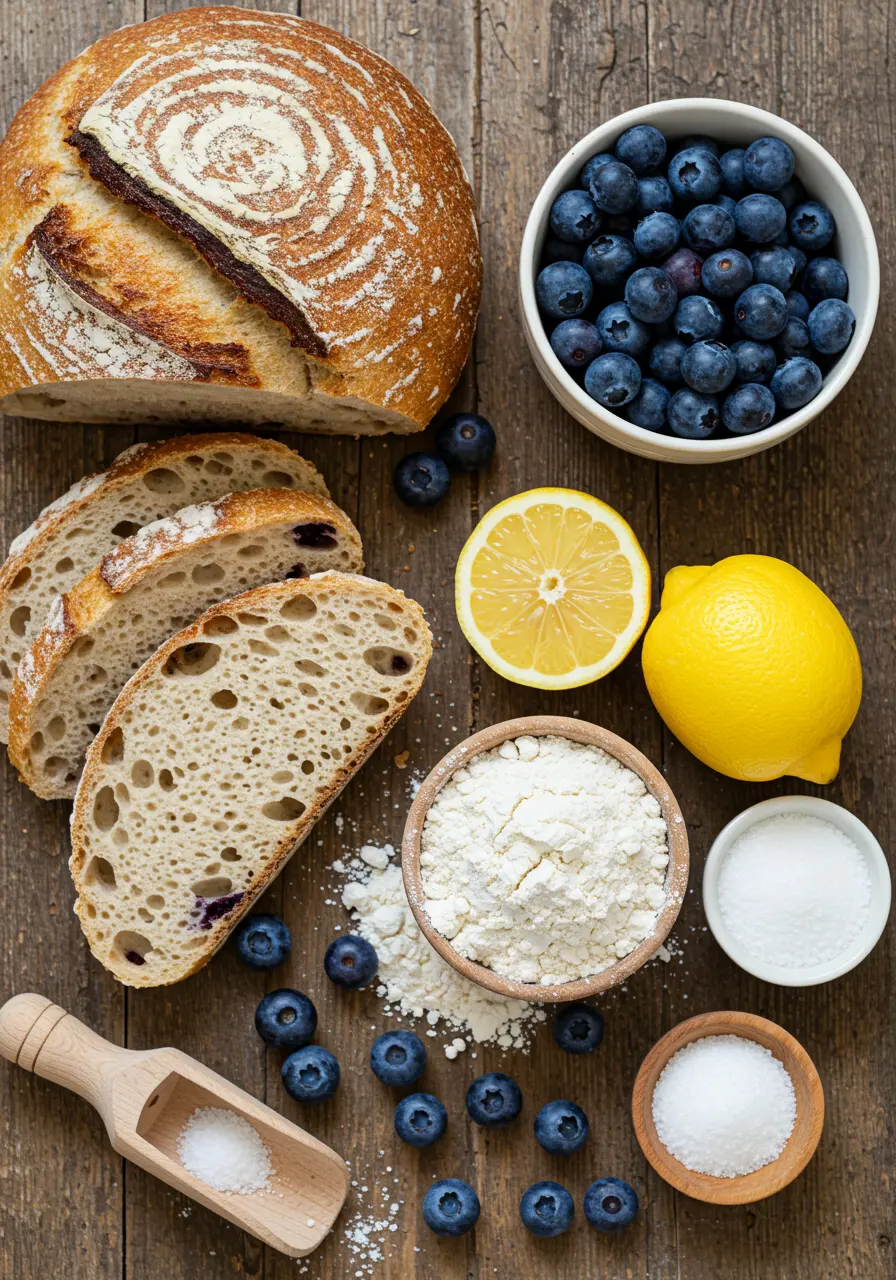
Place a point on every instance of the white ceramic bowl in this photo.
(737, 124)
(878, 872)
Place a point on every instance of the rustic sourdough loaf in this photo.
(146, 588)
(224, 214)
(143, 484)
(221, 753)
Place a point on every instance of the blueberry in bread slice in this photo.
(149, 586)
(143, 484)
(221, 753)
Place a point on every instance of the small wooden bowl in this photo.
(800, 1145)
(577, 731)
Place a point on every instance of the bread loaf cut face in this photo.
(149, 586)
(224, 214)
(147, 481)
(222, 752)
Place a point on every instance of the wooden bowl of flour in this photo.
(577, 731)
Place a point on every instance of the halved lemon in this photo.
(552, 588)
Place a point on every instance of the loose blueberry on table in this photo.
(421, 480)
(610, 1205)
(467, 440)
(578, 1028)
(311, 1074)
(350, 961)
(494, 1100)
(546, 1209)
(286, 1019)
(665, 245)
(450, 1207)
(262, 941)
(398, 1058)
(420, 1119)
(561, 1128)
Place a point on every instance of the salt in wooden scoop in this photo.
(145, 1099)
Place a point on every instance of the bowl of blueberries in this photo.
(699, 279)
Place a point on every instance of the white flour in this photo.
(545, 860)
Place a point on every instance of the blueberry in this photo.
(793, 192)
(749, 408)
(642, 148)
(760, 218)
(286, 1019)
(613, 380)
(708, 228)
(732, 165)
(702, 142)
(563, 289)
(708, 367)
(610, 1205)
(831, 326)
(824, 278)
(575, 343)
(665, 359)
(657, 235)
(648, 409)
(310, 1074)
(693, 416)
(591, 166)
(578, 1028)
(467, 440)
(654, 196)
(695, 175)
(609, 259)
(755, 361)
(621, 331)
(697, 319)
(727, 273)
(561, 1128)
(811, 226)
(546, 1209)
(494, 1100)
(728, 203)
(650, 295)
(614, 188)
(797, 305)
(575, 217)
(684, 266)
(793, 340)
(420, 1119)
(350, 961)
(796, 382)
(761, 311)
(398, 1058)
(768, 164)
(262, 942)
(555, 250)
(799, 258)
(773, 266)
(421, 480)
(450, 1207)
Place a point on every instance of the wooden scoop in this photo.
(145, 1099)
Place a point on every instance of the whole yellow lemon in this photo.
(753, 669)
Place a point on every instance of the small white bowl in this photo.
(737, 124)
(878, 872)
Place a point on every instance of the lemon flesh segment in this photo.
(552, 588)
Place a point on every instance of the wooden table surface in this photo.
(516, 82)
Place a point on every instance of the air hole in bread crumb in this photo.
(286, 809)
(173, 579)
(307, 766)
(99, 871)
(57, 768)
(276, 704)
(368, 704)
(277, 634)
(282, 775)
(23, 575)
(163, 480)
(192, 660)
(125, 528)
(277, 480)
(230, 855)
(113, 747)
(19, 619)
(225, 699)
(311, 668)
(166, 780)
(105, 809)
(221, 625)
(132, 946)
(389, 662)
(213, 887)
(142, 773)
(156, 901)
(393, 607)
(251, 619)
(252, 552)
(89, 910)
(298, 609)
(195, 461)
(345, 723)
(262, 648)
(145, 915)
(37, 741)
(204, 573)
(384, 621)
(410, 635)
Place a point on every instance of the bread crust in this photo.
(74, 614)
(283, 849)
(373, 269)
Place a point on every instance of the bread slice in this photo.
(143, 484)
(222, 752)
(150, 585)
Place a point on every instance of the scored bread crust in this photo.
(148, 481)
(109, 765)
(76, 617)
(127, 261)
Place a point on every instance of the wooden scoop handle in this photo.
(41, 1037)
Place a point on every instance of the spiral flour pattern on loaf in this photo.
(307, 173)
